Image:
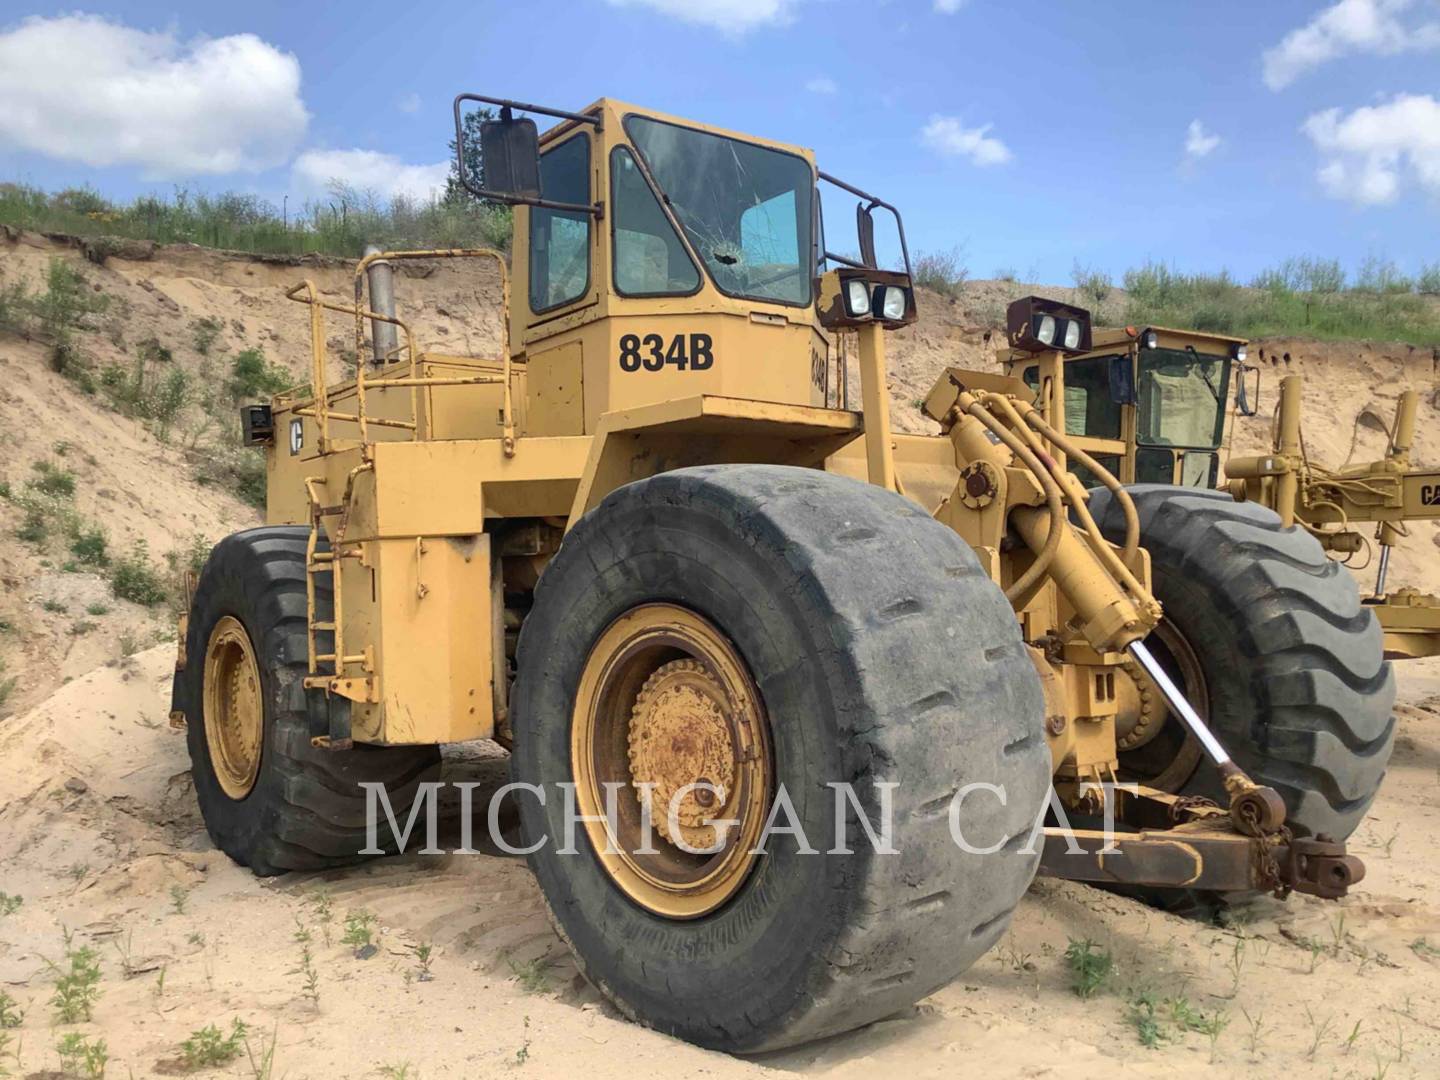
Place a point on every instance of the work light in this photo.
(1239, 353)
(1151, 339)
(891, 302)
(1034, 324)
(857, 299)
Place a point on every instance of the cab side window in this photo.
(560, 239)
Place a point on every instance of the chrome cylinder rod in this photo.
(1383, 570)
(1182, 708)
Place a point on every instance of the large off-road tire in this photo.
(1290, 663)
(291, 806)
(877, 652)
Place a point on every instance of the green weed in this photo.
(77, 983)
(209, 1047)
(81, 1057)
(1090, 967)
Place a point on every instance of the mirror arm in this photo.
(874, 202)
(596, 210)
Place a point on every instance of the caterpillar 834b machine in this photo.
(722, 620)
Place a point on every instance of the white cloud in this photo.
(946, 135)
(822, 84)
(1373, 150)
(1350, 26)
(82, 88)
(1199, 143)
(409, 103)
(730, 16)
(370, 170)
(948, 7)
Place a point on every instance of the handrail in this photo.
(321, 407)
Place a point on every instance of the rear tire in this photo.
(1298, 689)
(882, 653)
(303, 808)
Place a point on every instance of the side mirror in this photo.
(1244, 404)
(510, 156)
(1122, 381)
(865, 228)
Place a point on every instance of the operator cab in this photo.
(1148, 404)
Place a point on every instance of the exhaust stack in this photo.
(384, 337)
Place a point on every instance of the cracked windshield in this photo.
(747, 210)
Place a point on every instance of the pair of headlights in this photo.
(1058, 333)
(890, 303)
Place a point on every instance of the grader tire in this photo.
(879, 652)
(270, 800)
(1291, 661)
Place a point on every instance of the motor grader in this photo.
(1155, 405)
(721, 620)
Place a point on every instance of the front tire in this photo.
(1291, 662)
(270, 800)
(879, 652)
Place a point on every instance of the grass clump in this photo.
(252, 376)
(11, 1015)
(10, 904)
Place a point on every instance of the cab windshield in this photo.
(747, 210)
(1181, 398)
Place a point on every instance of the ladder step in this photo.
(322, 626)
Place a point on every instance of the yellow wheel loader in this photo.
(797, 706)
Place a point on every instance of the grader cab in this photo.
(785, 693)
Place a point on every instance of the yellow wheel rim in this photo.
(234, 710)
(667, 717)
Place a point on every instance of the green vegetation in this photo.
(1090, 966)
(943, 271)
(55, 314)
(50, 479)
(11, 1015)
(81, 1057)
(1300, 296)
(133, 578)
(204, 333)
(207, 1047)
(342, 223)
(252, 376)
(77, 983)
(11, 904)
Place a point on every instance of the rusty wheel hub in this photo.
(234, 709)
(667, 718)
(680, 741)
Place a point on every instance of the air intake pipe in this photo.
(384, 337)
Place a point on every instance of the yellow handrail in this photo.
(320, 408)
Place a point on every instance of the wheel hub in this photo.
(680, 736)
(234, 709)
(665, 702)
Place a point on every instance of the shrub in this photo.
(252, 376)
(53, 480)
(204, 333)
(133, 578)
(88, 547)
(1428, 281)
(1094, 286)
(943, 271)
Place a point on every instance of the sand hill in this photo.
(100, 836)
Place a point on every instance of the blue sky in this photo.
(1036, 135)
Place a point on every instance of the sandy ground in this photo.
(100, 836)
